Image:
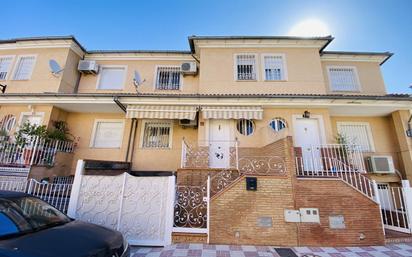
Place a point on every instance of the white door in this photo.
(307, 136)
(219, 143)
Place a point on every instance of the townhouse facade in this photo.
(280, 128)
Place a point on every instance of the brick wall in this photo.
(334, 197)
(234, 213)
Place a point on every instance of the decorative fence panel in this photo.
(139, 207)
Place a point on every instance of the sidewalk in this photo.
(202, 250)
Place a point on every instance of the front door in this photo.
(307, 137)
(219, 143)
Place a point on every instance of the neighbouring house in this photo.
(273, 140)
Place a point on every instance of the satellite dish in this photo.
(54, 66)
(137, 80)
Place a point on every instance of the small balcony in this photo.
(35, 151)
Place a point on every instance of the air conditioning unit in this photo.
(88, 67)
(381, 164)
(188, 68)
(188, 123)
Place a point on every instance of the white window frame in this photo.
(16, 64)
(22, 114)
(284, 63)
(155, 78)
(368, 131)
(355, 71)
(235, 76)
(112, 66)
(9, 69)
(93, 136)
(142, 130)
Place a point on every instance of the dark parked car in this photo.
(30, 227)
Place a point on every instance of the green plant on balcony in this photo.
(28, 131)
(60, 131)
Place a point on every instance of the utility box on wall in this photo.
(251, 183)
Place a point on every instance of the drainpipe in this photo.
(133, 128)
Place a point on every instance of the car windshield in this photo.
(20, 215)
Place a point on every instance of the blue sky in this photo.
(357, 25)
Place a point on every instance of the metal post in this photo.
(237, 154)
(407, 194)
(34, 149)
(208, 209)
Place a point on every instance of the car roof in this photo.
(9, 194)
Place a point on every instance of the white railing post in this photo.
(407, 194)
(74, 195)
(34, 144)
(377, 199)
(237, 154)
(208, 208)
(183, 157)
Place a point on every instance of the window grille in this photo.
(157, 134)
(5, 63)
(274, 69)
(245, 127)
(246, 67)
(24, 68)
(343, 79)
(168, 78)
(8, 122)
(277, 124)
(357, 134)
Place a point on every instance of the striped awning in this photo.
(232, 112)
(161, 112)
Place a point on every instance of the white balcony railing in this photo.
(36, 151)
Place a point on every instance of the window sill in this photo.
(246, 80)
(282, 80)
(108, 89)
(107, 148)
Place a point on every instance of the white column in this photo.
(378, 201)
(170, 203)
(77, 182)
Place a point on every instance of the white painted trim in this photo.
(43, 44)
(167, 90)
(74, 195)
(321, 126)
(368, 130)
(124, 67)
(169, 219)
(284, 70)
(17, 64)
(257, 67)
(260, 43)
(325, 57)
(9, 69)
(92, 138)
(171, 122)
(22, 114)
(355, 70)
(138, 57)
(191, 230)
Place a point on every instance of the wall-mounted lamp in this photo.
(3, 88)
(306, 114)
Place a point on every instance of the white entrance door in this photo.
(219, 143)
(307, 136)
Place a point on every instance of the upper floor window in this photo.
(343, 78)
(5, 64)
(107, 134)
(111, 77)
(246, 67)
(24, 67)
(168, 78)
(274, 67)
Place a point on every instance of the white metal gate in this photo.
(139, 207)
(394, 202)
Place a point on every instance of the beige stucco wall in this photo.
(369, 73)
(147, 71)
(42, 80)
(304, 72)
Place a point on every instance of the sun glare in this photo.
(310, 28)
